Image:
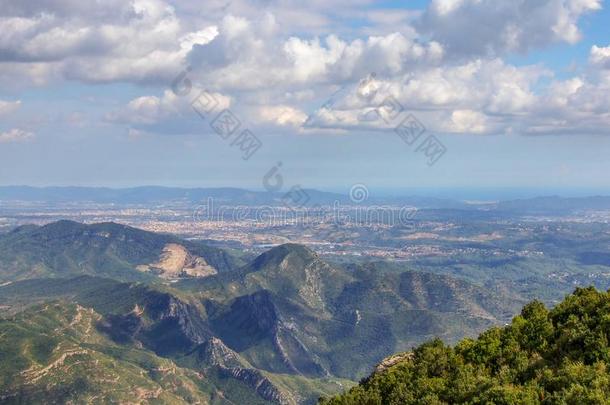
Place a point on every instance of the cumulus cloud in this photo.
(147, 109)
(573, 106)
(462, 98)
(107, 10)
(468, 121)
(480, 97)
(281, 115)
(7, 107)
(18, 75)
(139, 41)
(169, 113)
(15, 135)
(445, 64)
(490, 27)
(600, 56)
(250, 55)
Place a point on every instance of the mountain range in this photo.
(157, 195)
(283, 327)
(150, 195)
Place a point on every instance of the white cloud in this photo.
(281, 115)
(279, 59)
(468, 121)
(248, 55)
(578, 105)
(600, 56)
(169, 113)
(7, 107)
(140, 41)
(491, 27)
(481, 96)
(17, 75)
(15, 135)
(107, 10)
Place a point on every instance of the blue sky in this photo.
(512, 94)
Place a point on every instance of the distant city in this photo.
(434, 229)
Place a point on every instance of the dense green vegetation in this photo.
(561, 356)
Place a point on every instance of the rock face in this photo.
(214, 353)
(160, 322)
(255, 318)
(392, 361)
(261, 384)
(176, 262)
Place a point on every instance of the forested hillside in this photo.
(560, 356)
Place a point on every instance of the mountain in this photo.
(66, 248)
(157, 317)
(153, 195)
(126, 320)
(56, 353)
(193, 196)
(561, 356)
(291, 312)
(285, 327)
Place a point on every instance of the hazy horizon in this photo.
(457, 193)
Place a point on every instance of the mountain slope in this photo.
(286, 327)
(290, 312)
(169, 324)
(156, 317)
(55, 354)
(66, 248)
(560, 356)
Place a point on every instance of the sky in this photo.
(396, 95)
